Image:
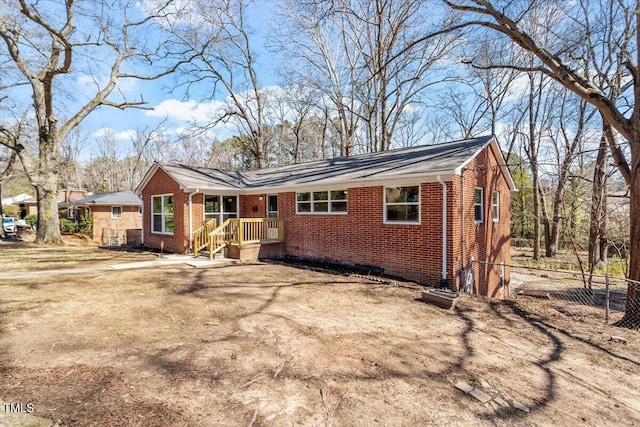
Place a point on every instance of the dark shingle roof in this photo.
(116, 198)
(427, 160)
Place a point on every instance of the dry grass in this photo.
(16, 257)
(276, 345)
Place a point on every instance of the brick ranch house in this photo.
(117, 216)
(419, 213)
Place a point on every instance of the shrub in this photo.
(11, 210)
(86, 224)
(32, 219)
(68, 226)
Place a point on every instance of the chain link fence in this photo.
(582, 296)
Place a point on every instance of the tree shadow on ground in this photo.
(547, 325)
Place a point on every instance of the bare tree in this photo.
(571, 119)
(216, 34)
(560, 55)
(71, 57)
(70, 173)
(321, 56)
(392, 75)
(357, 54)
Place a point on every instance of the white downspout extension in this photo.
(191, 219)
(444, 229)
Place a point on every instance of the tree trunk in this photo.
(536, 216)
(597, 205)
(631, 317)
(554, 235)
(546, 223)
(48, 222)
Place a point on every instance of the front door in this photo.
(272, 212)
(272, 206)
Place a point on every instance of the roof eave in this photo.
(495, 147)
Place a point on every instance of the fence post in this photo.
(606, 298)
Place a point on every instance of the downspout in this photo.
(191, 219)
(462, 228)
(444, 231)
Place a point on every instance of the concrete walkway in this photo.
(167, 259)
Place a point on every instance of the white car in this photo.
(9, 225)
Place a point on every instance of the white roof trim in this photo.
(495, 147)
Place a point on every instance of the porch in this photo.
(237, 234)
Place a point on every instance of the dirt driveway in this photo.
(270, 344)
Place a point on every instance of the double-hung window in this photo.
(495, 206)
(116, 212)
(220, 207)
(402, 204)
(162, 214)
(322, 202)
(478, 204)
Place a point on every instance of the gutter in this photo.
(444, 231)
(191, 219)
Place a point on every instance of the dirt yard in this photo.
(269, 344)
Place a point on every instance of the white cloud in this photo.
(188, 111)
(124, 135)
(518, 88)
(411, 109)
(102, 132)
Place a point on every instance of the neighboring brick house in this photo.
(29, 204)
(380, 210)
(113, 215)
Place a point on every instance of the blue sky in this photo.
(172, 104)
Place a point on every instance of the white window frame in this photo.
(113, 215)
(70, 213)
(418, 203)
(476, 204)
(163, 214)
(330, 201)
(495, 206)
(219, 216)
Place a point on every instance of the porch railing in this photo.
(201, 235)
(243, 231)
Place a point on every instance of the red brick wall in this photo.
(248, 203)
(487, 241)
(162, 183)
(197, 208)
(360, 237)
(104, 226)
